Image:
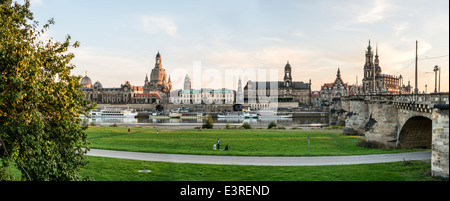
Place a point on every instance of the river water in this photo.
(262, 122)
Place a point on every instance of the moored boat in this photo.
(174, 115)
(231, 115)
(191, 115)
(272, 114)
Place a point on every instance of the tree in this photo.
(40, 102)
(208, 123)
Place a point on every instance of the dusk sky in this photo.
(120, 39)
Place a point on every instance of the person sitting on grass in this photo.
(226, 148)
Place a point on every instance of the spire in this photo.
(338, 73)
(369, 47)
(376, 50)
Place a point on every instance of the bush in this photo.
(92, 124)
(271, 125)
(114, 125)
(208, 123)
(227, 126)
(372, 144)
(246, 125)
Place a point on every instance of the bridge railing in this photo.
(435, 98)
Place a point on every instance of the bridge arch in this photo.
(416, 132)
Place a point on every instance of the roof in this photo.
(193, 91)
(330, 85)
(278, 85)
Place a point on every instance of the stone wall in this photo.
(382, 124)
(439, 146)
(357, 116)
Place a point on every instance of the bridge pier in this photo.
(402, 121)
(439, 145)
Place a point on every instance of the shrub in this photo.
(92, 124)
(372, 144)
(281, 127)
(271, 125)
(208, 123)
(227, 126)
(114, 125)
(246, 125)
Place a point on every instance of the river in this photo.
(221, 122)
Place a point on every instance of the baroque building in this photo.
(281, 91)
(374, 82)
(336, 89)
(158, 78)
(154, 91)
(96, 93)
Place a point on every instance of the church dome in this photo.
(86, 82)
(98, 85)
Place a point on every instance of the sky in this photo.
(215, 42)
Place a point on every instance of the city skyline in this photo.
(119, 41)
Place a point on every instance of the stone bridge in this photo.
(400, 121)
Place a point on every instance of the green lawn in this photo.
(110, 169)
(253, 142)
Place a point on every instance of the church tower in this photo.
(187, 83)
(369, 73)
(287, 75)
(239, 93)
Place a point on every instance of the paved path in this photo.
(265, 160)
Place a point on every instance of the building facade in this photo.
(281, 91)
(154, 91)
(201, 96)
(336, 89)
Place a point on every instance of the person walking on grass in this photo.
(157, 132)
(218, 143)
(128, 130)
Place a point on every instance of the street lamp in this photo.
(436, 69)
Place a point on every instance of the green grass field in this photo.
(253, 142)
(110, 169)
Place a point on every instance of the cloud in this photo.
(158, 25)
(299, 34)
(377, 12)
